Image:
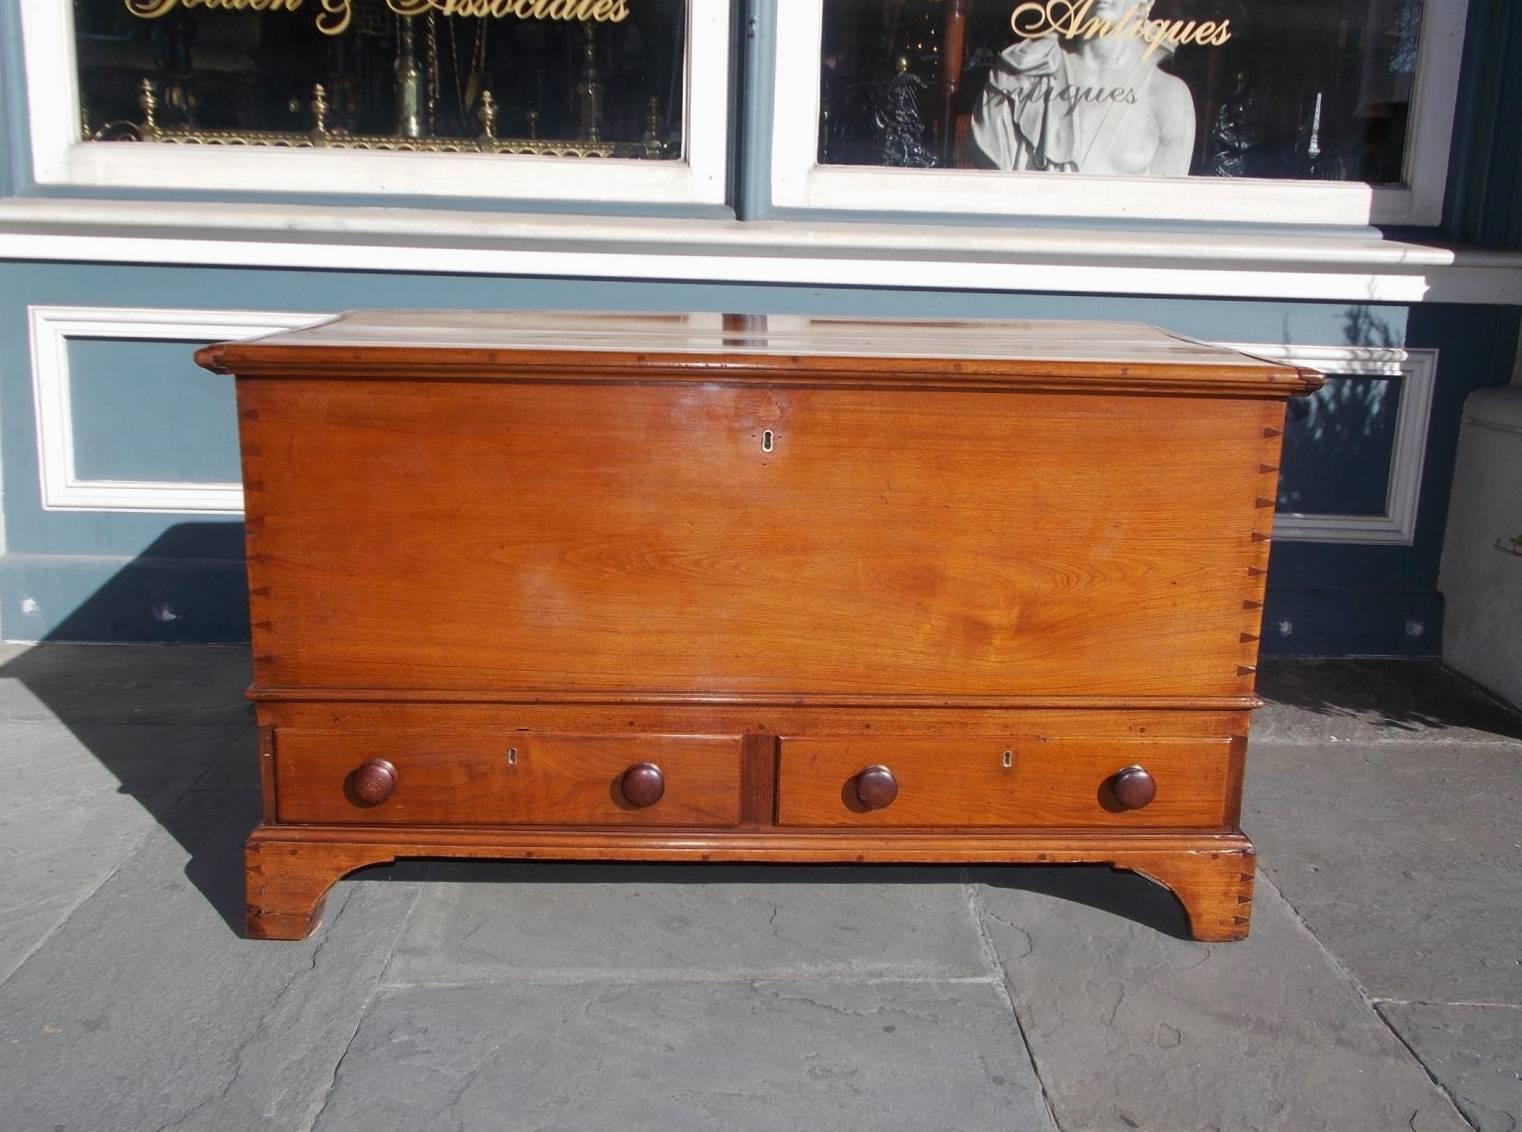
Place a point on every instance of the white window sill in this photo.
(1246, 265)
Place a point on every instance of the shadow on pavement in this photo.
(1412, 695)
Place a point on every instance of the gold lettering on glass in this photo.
(1074, 19)
(335, 15)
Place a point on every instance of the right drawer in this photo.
(1032, 782)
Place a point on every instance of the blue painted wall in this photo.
(91, 575)
(15, 167)
(1483, 204)
(143, 410)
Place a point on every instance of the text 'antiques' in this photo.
(1072, 19)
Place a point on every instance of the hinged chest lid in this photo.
(767, 349)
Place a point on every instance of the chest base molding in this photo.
(289, 870)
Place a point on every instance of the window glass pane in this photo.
(1339, 444)
(574, 78)
(1295, 89)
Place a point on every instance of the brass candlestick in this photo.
(589, 90)
(486, 114)
(409, 82)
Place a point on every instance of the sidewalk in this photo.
(1381, 987)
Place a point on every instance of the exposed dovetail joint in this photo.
(1252, 605)
(1256, 571)
(1266, 468)
(1269, 432)
(1248, 637)
(1259, 503)
(1246, 669)
(1260, 536)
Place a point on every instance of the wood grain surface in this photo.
(962, 781)
(640, 539)
(480, 778)
(776, 349)
(290, 868)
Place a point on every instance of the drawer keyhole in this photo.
(1009, 759)
(768, 441)
(512, 756)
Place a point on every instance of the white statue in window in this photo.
(1086, 104)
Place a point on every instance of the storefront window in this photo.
(1309, 90)
(567, 78)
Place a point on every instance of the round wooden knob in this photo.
(1133, 787)
(642, 785)
(373, 782)
(876, 787)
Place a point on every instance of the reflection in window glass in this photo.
(574, 78)
(1295, 89)
(1339, 445)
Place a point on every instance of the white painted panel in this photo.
(51, 330)
(1417, 370)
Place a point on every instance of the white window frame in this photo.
(61, 157)
(797, 181)
(1417, 371)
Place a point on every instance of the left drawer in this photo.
(506, 778)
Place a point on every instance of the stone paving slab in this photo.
(1320, 702)
(1406, 862)
(595, 996)
(493, 922)
(71, 818)
(1133, 1028)
(146, 1011)
(670, 1057)
(237, 767)
(125, 683)
(1475, 1052)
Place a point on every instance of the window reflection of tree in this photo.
(1339, 442)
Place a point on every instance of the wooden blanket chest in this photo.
(736, 588)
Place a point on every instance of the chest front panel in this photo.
(715, 538)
